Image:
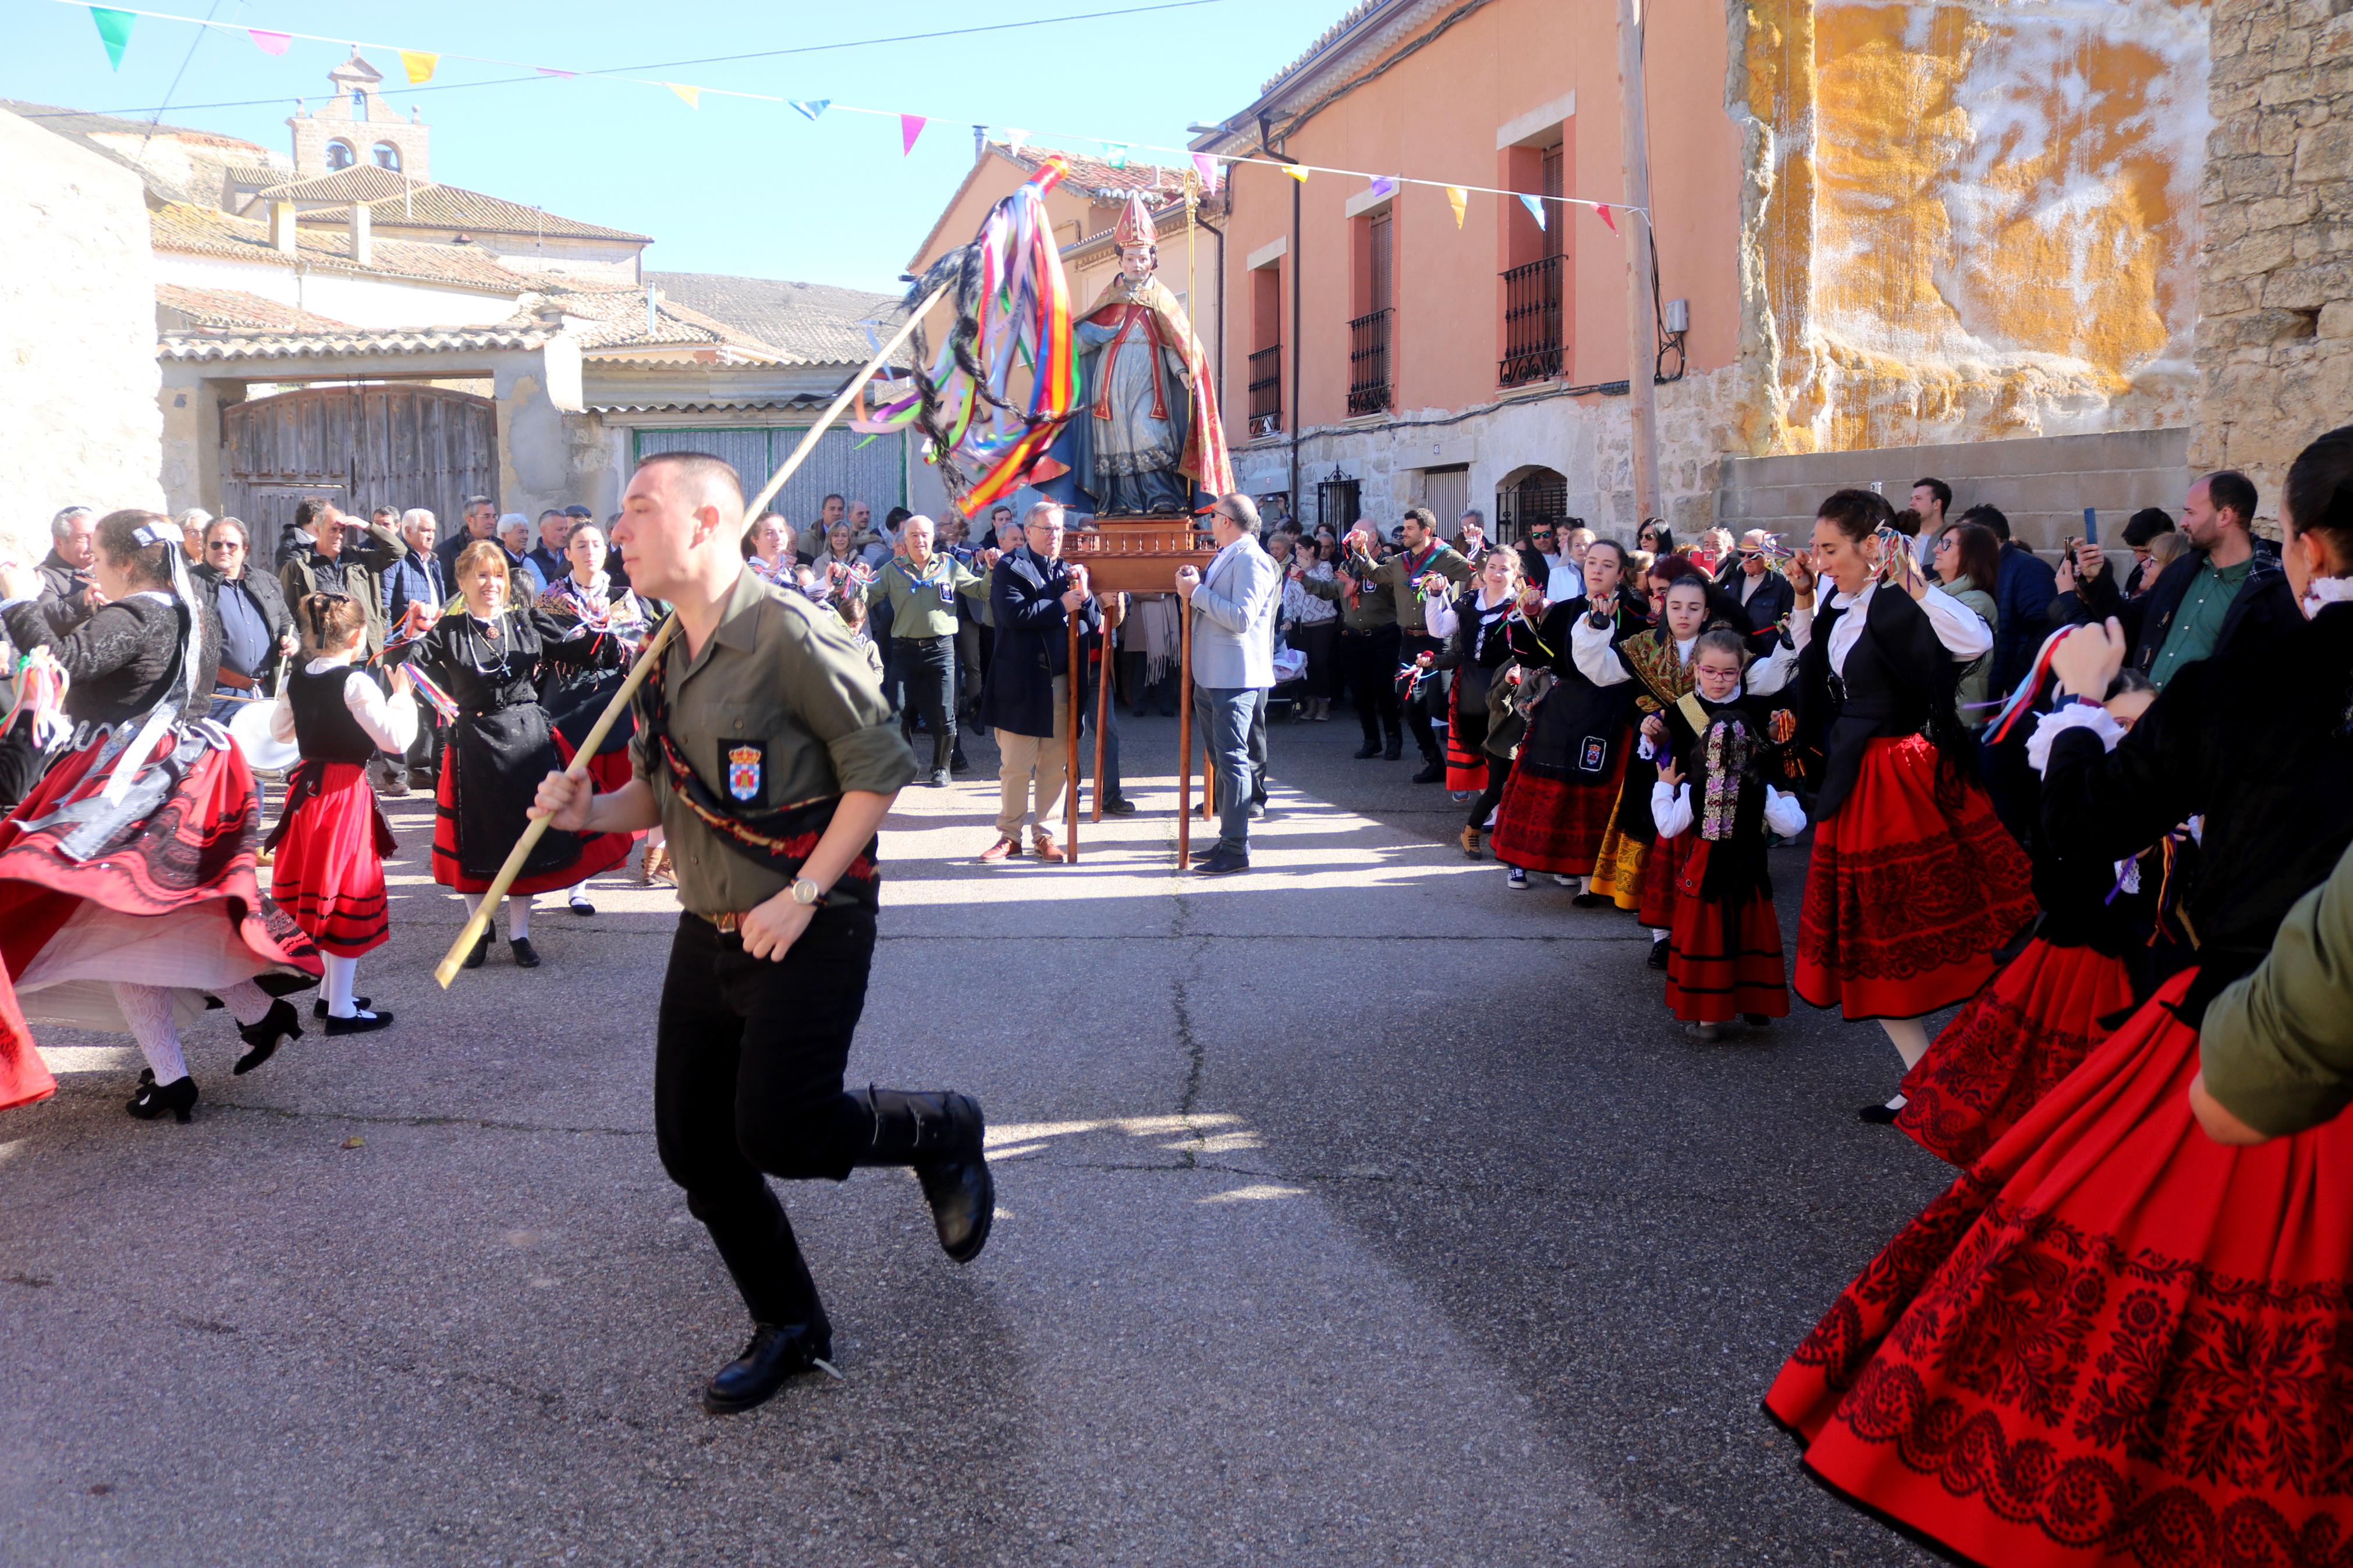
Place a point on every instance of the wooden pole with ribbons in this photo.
(447, 970)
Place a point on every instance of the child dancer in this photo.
(1724, 940)
(331, 839)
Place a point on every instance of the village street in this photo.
(1353, 1211)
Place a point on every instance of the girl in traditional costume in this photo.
(576, 695)
(2114, 1340)
(331, 838)
(1475, 626)
(1914, 885)
(483, 658)
(127, 885)
(1716, 810)
(2006, 1049)
(1564, 783)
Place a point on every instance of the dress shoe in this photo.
(178, 1098)
(1394, 750)
(939, 778)
(481, 950)
(1224, 863)
(1588, 899)
(1257, 809)
(1119, 806)
(1368, 750)
(525, 955)
(1432, 772)
(956, 764)
(1755, 1020)
(319, 1008)
(360, 1023)
(1659, 954)
(420, 779)
(942, 1136)
(1042, 846)
(578, 903)
(395, 785)
(778, 1351)
(263, 1039)
(1879, 1115)
(1003, 849)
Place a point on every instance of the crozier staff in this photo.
(764, 749)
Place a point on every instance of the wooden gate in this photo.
(394, 445)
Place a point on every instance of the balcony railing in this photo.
(1266, 391)
(1531, 323)
(1368, 364)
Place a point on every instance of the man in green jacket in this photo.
(921, 588)
(1406, 578)
(2276, 1047)
(1368, 640)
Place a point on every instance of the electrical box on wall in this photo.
(1678, 316)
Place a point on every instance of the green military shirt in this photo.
(2198, 623)
(922, 603)
(1399, 572)
(780, 709)
(1373, 608)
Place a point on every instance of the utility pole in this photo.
(1643, 313)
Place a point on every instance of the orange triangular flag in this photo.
(419, 64)
(691, 96)
(1455, 197)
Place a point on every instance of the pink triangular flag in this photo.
(270, 43)
(910, 127)
(1207, 167)
(1603, 212)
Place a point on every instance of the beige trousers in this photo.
(1034, 769)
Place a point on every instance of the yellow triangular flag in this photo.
(1455, 197)
(1295, 172)
(419, 64)
(692, 96)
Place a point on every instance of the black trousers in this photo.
(748, 1058)
(1371, 659)
(1498, 773)
(1318, 643)
(1427, 708)
(928, 666)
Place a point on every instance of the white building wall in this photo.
(339, 296)
(77, 373)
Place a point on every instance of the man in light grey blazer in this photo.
(1232, 605)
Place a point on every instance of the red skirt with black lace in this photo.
(1906, 900)
(329, 871)
(1548, 824)
(2112, 1341)
(2010, 1046)
(1723, 956)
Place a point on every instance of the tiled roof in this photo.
(93, 132)
(397, 198)
(717, 405)
(1325, 39)
(620, 323)
(803, 324)
(78, 122)
(1093, 176)
(233, 310)
(205, 231)
(328, 346)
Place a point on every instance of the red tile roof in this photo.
(204, 231)
(235, 310)
(397, 199)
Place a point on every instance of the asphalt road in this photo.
(1354, 1211)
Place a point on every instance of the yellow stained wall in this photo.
(1981, 220)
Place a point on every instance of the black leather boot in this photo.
(778, 1351)
(277, 1026)
(940, 1134)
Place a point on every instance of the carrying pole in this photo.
(447, 970)
(1641, 297)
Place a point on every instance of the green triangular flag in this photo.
(114, 28)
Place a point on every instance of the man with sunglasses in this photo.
(257, 628)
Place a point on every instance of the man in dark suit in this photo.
(1762, 592)
(482, 521)
(249, 607)
(417, 578)
(1032, 594)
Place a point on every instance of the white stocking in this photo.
(518, 920)
(246, 1002)
(1910, 1038)
(148, 1010)
(1659, 935)
(341, 974)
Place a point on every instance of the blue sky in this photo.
(733, 186)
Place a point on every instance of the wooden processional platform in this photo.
(1137, 555)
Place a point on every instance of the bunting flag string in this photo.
(114, 25)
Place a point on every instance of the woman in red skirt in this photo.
(576, 695)
(1914, 885)
(127, 885)
(1724, 945)
(331, 838)
(1572, 760)
(500, 745)
(1475, 626)
(2116, 1340)
(2052, 1003)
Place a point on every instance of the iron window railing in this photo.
(1531, 323)
(1368, 364)
(1266, 391)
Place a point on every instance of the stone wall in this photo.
(77, 373)
(2276, 333)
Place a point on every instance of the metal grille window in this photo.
(1533, 315)
(1266, 390)
(876, 475)
(1539, 497)
(1368, 364)
(1337, 505)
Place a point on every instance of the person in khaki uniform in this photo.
(1404, 576)
(922, 589)
(766, 753)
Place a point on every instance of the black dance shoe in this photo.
(1368, 750)
(525, 955)
(942, 1136)
(1755, 1020)
(778, 1351)
(277, 1026)
(319, 1008)
(154, 1100)
(1588, 900)
(580, 903)
(1879, 1115)
(359, 1023)
(1659, 954)
(481, 950)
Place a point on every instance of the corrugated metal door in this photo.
(395, 445)
(844, 464)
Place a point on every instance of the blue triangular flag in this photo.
(1382, 185)
(811, 107)
(1535, 208)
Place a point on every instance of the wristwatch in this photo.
(806, 893)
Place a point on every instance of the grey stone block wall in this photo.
(2041, 485)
